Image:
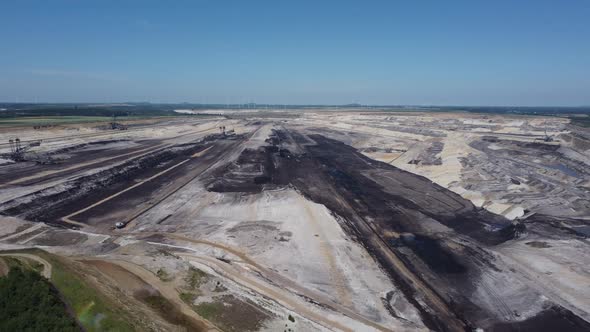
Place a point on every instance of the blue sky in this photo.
(297, 52)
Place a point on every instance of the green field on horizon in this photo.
(59, 120)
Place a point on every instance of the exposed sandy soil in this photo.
(123, 278)
(413, 134)
(144, 286)
(348, 221)
(191, 319)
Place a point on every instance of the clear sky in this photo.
(501, 52)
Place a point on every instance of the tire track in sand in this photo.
(273, 276)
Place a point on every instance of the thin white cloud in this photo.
(74, 74)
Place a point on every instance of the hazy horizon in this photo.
(243, 105)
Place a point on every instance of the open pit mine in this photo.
(306, 220)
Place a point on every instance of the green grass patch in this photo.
(158, 303)
(233, 315)
(93, 310)
(188, 298)
(167, 310)
(210, 310)
(23, 263)
(13, 262)
(36, 266)
(195, 278)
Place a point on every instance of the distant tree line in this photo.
(86, 111)
(28, 302)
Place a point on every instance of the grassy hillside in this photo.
(28, 302)
(94, 310)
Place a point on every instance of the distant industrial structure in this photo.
(229, 133)
(17, 150)
(115, 125)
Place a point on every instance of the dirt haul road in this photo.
(80, 161)
(166, 290)
(267, 289)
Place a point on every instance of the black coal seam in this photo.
(430, 319)
(36, 210)
(508, 232)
